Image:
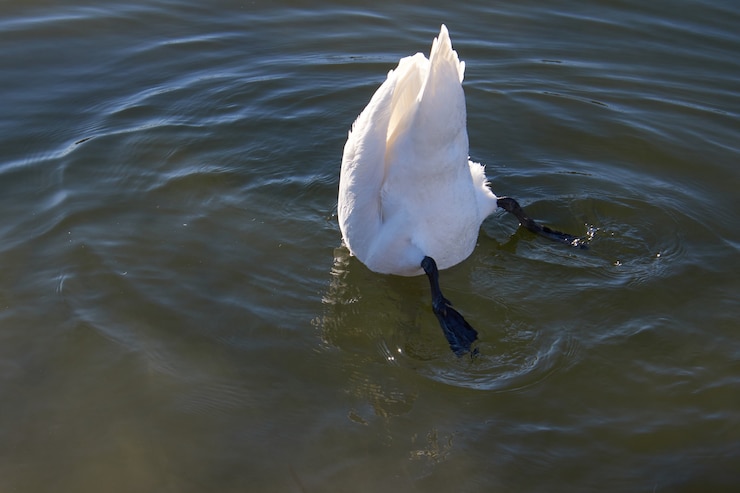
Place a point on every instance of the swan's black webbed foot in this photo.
(510, 205)
(457, 330)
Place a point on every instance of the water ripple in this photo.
(169, 176)
(521, 358)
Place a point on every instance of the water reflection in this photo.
(634, 242)
(383, 320)
(370, 341)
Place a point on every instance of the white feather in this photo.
(407, 189)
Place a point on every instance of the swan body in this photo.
(410, 201)
(407, 189)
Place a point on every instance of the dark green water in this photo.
(177, 312)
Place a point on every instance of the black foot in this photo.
(510, 205)
(457, 330)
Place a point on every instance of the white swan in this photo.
(409, 198)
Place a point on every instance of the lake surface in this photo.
(177, 312)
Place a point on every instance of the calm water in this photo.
(177, 312)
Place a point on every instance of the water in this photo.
(177, 313)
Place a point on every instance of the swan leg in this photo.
(458, 332)
(510, 205)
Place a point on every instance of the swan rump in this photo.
(407, 189)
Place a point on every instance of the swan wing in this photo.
(363, 171)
